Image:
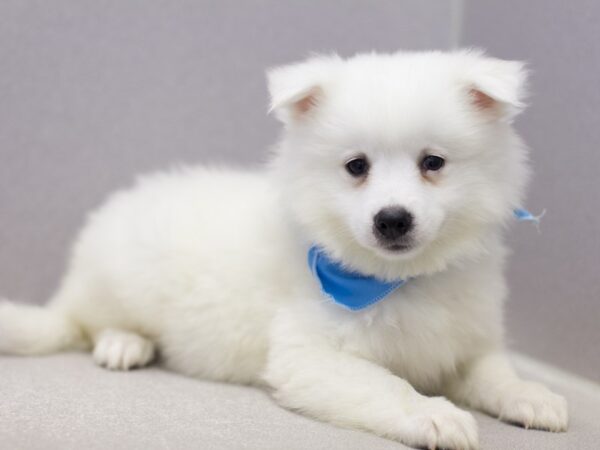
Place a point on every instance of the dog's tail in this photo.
(36, 330)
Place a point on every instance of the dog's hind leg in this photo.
(122, 350)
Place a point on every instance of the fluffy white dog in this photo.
(401, 170)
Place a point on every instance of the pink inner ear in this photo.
(304, 105)
(481, 100)
(308, 102)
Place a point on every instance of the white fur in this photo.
(210, 265)
(121, 350)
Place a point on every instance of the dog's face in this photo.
(399, 160)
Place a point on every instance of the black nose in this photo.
(393, 222)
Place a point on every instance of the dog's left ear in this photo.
(496, 87)
(297, 89)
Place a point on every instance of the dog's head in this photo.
(399, 164)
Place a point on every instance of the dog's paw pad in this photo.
(532, 405)
(120, 350)
(441, 425)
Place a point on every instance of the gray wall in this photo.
(92, 92)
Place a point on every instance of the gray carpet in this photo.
(65, 402)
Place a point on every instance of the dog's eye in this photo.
(432, 163)
(358, 167)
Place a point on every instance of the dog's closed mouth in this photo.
(398, 247)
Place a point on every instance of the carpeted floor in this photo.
(66, 402)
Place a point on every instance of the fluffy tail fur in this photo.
(34, 330)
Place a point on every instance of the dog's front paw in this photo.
(533, 406)
(438, 424)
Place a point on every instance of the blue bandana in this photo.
(356, 291)
(350, 289)
(522, 215)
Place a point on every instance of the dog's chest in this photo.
(423, 333)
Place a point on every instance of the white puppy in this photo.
(398, 167)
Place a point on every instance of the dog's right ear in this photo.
(496, 87)
(297, 89)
